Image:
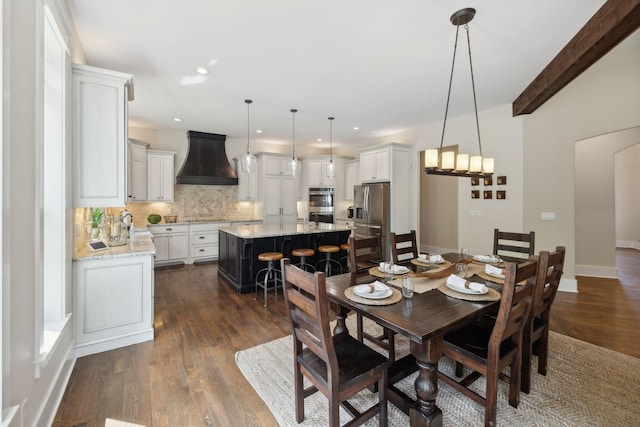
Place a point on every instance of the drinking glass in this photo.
(388, 271)
(465, 253)
(461, 270)
(407, 286)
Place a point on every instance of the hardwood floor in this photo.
(187, 376)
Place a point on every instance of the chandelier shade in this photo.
(439, 162)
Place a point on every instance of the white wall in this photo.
(603, 99)
(627, 205)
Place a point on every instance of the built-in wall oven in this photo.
(321, 204)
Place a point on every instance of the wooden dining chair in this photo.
(488, 351)
(338, 366)
(512, 246)
(365, 253)
(403, 247)
(536, 332)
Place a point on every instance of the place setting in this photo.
(457, 286)
(376, 293)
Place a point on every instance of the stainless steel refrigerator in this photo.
(371, 212)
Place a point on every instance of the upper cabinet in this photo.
(137, 166)
(317, 173)
(351, 178)
(247, 184)
(100, 135)
(375, 165)
(160, 175)
(275, 165)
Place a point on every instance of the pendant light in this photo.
(294, 164)
(438, 162)
(331, 168)
(248, 161)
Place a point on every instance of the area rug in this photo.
(585, 385)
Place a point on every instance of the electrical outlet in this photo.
(474, 213)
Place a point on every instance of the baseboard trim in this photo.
(568, 285)
(597, 271)
(110, 344)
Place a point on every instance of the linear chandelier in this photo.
(438, 162)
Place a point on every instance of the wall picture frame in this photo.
(475, 180)
(488, 181)
(501, 180)
(475, 194)
(501, 194)
(487, 194)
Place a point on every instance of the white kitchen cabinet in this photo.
(113, 302)
(247, 184)
(161, 175)
(351, 178)
(375, 165)
(275, 164)
(204, 240)
(317, 173)
(171, 242)
(100, 136)
(278, 192)
(137, 171)
(280, 204)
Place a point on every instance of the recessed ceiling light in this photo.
(177, 119)
(356, 128)
(319, 140)
(259, 131)
(202, 70)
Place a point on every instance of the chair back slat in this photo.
(308, 307)
(512, 244)
(548, 280)
(404, 247)
(514, 306)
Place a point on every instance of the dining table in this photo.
(424, 319)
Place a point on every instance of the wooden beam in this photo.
(611, 24)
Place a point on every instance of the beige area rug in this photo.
(585, 385)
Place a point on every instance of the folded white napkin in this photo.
(458, 283)
(393, 268)
(436, 258)
(487, 258)
(372, 288)
(490, 269)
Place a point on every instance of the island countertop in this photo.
(257, 231)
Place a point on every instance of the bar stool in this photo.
(345, 247)
(303, 253)
(328, 250)
(272, 275)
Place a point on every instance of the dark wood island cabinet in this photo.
(241, 244)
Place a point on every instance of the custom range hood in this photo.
(206, 162)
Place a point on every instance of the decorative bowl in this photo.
(170, 219)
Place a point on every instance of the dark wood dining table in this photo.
(424, 320)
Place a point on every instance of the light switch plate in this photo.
(548, 216)
(474, 213)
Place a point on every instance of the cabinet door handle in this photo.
(201, 250)
(169, 229)
(201, 237)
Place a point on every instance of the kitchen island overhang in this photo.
(239, 247)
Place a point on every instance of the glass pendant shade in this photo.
(248, 162)
(331, 169)
(448, 160)
(487, 165)
(294, 167)
(294, 164)
(431, 158)
(462, 162)
(475, 164)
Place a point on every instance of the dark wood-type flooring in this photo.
(187, 376)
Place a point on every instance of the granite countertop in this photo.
(141, 244)
(188, 221)
(273, 230)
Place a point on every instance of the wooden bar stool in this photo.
(328, 250)
(303, 253)
(345, 247)
(272, 276)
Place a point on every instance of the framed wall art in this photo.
(501, 180)
(488, 181)
(487, 194)
(501, 194)
(475, 194)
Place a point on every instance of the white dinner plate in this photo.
(424, 259)
(398, 269)
(498, 276)
(363, 291)
(486, 258)
(465, 290)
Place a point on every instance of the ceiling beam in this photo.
(611, 24)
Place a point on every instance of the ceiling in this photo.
(380, 65)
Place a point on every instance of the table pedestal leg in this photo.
(341, 316)
(425, 412)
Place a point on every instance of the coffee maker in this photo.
(350, 212)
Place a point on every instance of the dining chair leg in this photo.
(334, 411)
(525, 377)
(299, 386)
(491, 399)
(359, 328)
(383, 416)
(514, 380)
(543, 352)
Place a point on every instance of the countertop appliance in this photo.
(372, 212)
(321, 204)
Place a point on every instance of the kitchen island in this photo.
(240, 245)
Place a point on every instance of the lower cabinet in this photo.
(113, 302)
(204, 241)
(171, 242)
